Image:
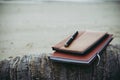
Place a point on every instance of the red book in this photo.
(82, 43)
(83, 59)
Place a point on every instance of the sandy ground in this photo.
(32, 28)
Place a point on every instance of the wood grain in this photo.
(39, 67)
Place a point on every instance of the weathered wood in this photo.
(39, 67)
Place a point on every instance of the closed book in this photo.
(82, 59)
(84, 41)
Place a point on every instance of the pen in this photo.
(70, 40)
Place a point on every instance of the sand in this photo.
(32, 28)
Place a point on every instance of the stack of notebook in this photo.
(81, 47)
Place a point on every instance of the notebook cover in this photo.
(83, 59)
(84, 41)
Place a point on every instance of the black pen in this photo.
(70, 40)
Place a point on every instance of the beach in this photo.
(33, 28)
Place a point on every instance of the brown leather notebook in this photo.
(84, 59)
(82, 43)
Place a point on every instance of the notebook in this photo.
(84, 41)
(83, 59)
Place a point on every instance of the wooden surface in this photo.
(39, 67)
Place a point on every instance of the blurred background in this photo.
(33, 26)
